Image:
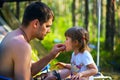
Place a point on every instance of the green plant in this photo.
(34, 55)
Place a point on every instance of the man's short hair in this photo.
(37, 10)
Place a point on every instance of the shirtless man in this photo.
(15, 50)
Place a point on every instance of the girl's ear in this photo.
(76, 43)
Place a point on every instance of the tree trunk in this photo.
(118, 20)
(110, 25)
(17, 9)
(9, 17)
(102, 22)
(86, 14)
(73, 12)
(94, 12)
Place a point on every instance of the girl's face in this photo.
(68, 44)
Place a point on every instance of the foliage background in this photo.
(109, 61)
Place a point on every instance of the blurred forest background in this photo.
(83, 13)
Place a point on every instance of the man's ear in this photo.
(35, 23)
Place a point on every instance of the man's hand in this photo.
(57, 49)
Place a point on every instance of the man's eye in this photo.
(47, 26)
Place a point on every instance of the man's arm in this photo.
(36, 67)
(22, 60)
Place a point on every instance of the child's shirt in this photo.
(80, 61)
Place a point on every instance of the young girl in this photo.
(82, 63)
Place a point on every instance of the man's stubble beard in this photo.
(40, 38)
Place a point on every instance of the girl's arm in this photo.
(92, 70)
(63, 65)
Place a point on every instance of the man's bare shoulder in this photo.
(20, 44)
(16, 38)
(16, 42)
(20, 48)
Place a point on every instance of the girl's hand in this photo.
(78, 76)
(61, 65)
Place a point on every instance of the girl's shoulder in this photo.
(86, 53)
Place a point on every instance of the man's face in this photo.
(43, 29)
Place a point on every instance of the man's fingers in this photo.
(62, 47)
